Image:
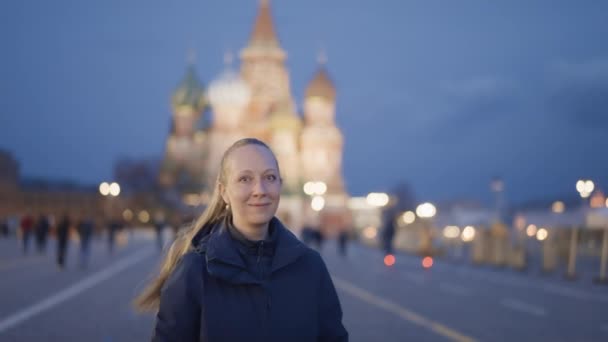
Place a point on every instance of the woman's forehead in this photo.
(251, 157)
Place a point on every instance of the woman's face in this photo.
(253, 186)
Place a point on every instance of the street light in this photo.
(451, 232)
(542, 234)
(558, 207)
(114, 189)
(426, 210)
(316, 190)
(468, 234)
(585, 187)
(377, 199)
(109, 189)
(104, 189)
(531, 230)
(408, 217)
(317, 203)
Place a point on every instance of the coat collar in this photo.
(224, 260)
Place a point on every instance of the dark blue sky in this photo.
(441, 94)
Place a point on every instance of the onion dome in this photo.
(229, 89)
(321, 85)
(190, 92)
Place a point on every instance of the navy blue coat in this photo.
(221, 291)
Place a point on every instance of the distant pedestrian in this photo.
(388, 231)
(85, 232)
(344, 232)
(114, 226)
(343, 242)
(4, 231)
(42, 231)
(307, 235)
(159, 227)
(26, 225)
(63, 234)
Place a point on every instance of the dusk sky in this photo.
(443, 95)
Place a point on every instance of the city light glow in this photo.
(127, 215)
(519, 222)
(542, 234)
(427, 262)
(370, 232)
(104, 189)
(597, 200)
(143, 216)
(468, 234)
(585, 187)
(558, 207)
(315, 188)
(531, 230)
(451, 232)
(377, 199)
(389, 260)
(114, 189)
(317, 203)
(408, 217)
(426, 210)
(192, 199)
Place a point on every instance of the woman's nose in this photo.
(259, 188)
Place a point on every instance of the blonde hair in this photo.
(149, 299)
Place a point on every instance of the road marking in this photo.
(574, 293)
(518, 305)
(455, 289)
(62, 296)
(519, 281)
(5, 266)
(405, 314)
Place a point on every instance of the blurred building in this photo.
(58, 198)
(34, 196)
(256, 101)
(9, 182)
(136, 176)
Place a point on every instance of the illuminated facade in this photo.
(257, 102)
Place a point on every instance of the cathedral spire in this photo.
(263, 29)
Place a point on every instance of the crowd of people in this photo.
(40, 229)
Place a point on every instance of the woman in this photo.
(238, 274)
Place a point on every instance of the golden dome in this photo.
(321, 86)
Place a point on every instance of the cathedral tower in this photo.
(229, 96)
(183, 166)
(321, 141)
(263, 68)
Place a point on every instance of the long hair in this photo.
(149, 299)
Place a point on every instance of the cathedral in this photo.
(256, 101)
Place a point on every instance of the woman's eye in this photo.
(244, 179)
(271, 178)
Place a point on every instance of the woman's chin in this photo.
(260, 219)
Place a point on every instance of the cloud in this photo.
(579, 93)
(470, 104)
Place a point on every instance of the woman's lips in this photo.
(259, 204)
